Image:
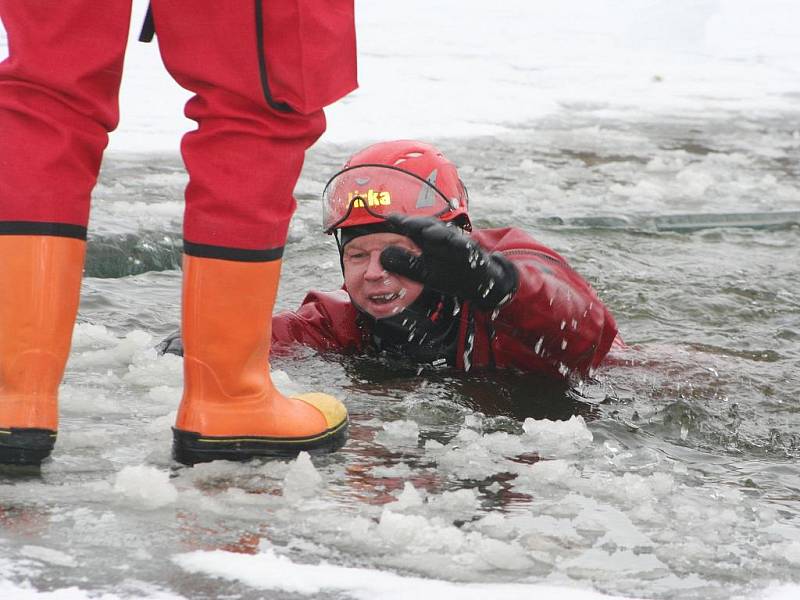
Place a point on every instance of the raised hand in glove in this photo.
(450, 262)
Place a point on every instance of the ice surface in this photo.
(667, 55)
(269, 571)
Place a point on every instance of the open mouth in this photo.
(387, 298)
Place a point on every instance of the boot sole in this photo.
(19, 446)
(191, 448)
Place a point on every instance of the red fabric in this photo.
(58, 100)
(552, 304)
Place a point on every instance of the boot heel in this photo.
(25, 446)
(190, 448)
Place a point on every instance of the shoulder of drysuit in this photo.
(511, 240)
(554, 310)
(324, 321)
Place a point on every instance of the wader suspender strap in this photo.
(148, 27)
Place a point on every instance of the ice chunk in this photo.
(557, 438)
(620, 531)
(302, 480)
(546, 472)
(792, 553)
(121, 353)
(408, 498)
(144, 486)
(470, 455)
(459, 501)
(503, 555)
(418, 534)
(48, 555)
(473, 421)
(149, 369)
(547, 526)
(399, 432)
(434, 446)
(600, 565)
(89, 335)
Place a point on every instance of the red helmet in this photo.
(400, 177)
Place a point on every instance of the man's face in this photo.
(379, 292)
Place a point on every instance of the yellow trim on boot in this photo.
(333, 410)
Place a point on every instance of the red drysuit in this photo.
(555, 324)
(260, 71)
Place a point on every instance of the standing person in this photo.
(420, 283)
(261, 74)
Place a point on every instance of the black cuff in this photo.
(506, 280)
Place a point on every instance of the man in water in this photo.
(421, 283)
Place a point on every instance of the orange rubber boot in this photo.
(230, 408)
(40, 280)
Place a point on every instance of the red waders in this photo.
(261, 73)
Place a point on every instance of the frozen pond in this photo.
(673, 475)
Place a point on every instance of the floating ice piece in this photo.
(600, 565)
(549, 472)
(149, 369)
(473, 421)
(789, 552)
(503, 555)
(618, 527)
(630, 489)
(399, 432)
(418, 534)
(792, 553)
(48, 555)
(557, 438)
(146, 487)
(115, 352)
(302, 480)
(89, 335)
(408, 498)
(458, 501)
(547, 526)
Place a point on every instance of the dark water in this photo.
(689, 486)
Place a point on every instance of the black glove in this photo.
(450, 262)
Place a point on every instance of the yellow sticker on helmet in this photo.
(372, 198)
